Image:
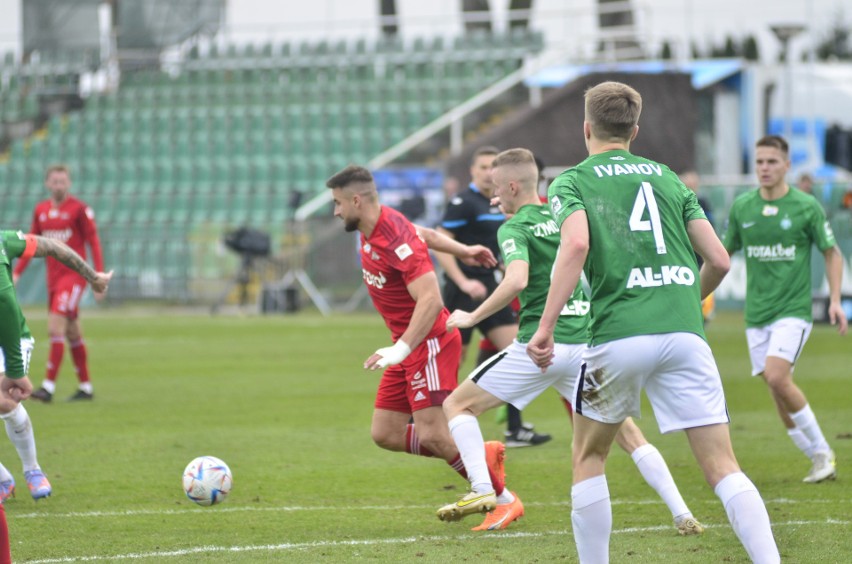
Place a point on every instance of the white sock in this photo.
(591, 518)
(806, 422)
(505, 497)
(86, 387)
(801, 441)
(20, 431)
(5, 475)
(468, 438)
(748, 517)
(49, 385)
(655, 471)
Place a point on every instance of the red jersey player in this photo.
(422, 364)
(68, 219)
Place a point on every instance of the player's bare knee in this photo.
(387, 440)
(594, 452)
(451, 406)
(778, 380)
(437, 440)
(630, 437)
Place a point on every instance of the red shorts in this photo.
(64, 299)
(425, 378)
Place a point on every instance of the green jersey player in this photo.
(629, 222)
(775, 227)
(16, 345)
(529, 242)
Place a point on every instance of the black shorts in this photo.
(455, 299)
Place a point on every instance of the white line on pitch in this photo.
(287, 509)
(372, 542)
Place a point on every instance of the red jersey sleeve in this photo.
(87, 226)
(410, 255)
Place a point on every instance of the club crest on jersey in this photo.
(367, 247)
(769, 211)
(555, 205)
(786, 223)
(403, 251)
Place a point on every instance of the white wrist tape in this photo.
(393, 355)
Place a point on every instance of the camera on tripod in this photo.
(248, 242)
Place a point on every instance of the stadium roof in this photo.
(704, 72)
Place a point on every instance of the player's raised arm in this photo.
(67, 256)
(470, 286)
(472, 255)
(513, 283)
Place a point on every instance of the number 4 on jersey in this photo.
(645, 199)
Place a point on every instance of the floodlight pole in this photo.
(784, 33)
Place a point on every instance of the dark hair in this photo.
(350, 175)
(774, 141)
(486, 150)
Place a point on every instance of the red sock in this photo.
(412, 443)
(54, 360)
(5, 551)
(412, 446)
(78, 353)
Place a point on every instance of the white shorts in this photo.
(26, 353)
(677, 371)
(513, 377)
(784, 338)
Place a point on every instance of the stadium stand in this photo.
(224, 137)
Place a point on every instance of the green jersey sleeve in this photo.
(513, 243)
(820, 229)
(12, 245)
(563, 196)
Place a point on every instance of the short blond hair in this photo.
(524, 165)
(612, 110)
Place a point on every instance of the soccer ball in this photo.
(207, 480)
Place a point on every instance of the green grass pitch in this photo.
(284, 401)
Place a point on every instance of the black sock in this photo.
(513, 418)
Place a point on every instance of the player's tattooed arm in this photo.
(46, 247)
